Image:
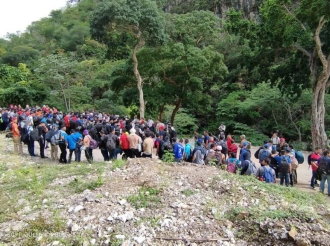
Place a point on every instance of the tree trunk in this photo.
(137, 75)
(161, 113)
(175, 110)
(319, 136)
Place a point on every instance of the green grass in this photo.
(293, 196)
(118, 164)
(32, 182)
(78, 185)
(146, 197)
(188, 192)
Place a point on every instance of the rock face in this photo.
(249, 8)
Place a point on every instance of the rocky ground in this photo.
(148, 202)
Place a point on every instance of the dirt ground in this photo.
(303, 172)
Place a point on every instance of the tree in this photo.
(60, 73)
(139, 19)
(303, 26)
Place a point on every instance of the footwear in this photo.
(317, 185)
(312, 187)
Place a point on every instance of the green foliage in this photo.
(185, 123)
(79, 185)
(188, 192)
(147, 197)
(118, 164)
(168, 157)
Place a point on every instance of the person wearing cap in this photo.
(264, 153)
(219, 156)
(134, 141)
(16, 137)
(243, 150)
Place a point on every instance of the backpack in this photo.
(300, 157)
(49, 135)
(93, 144)
(309, 159)
(294, 162)
(167, 145)
(111, 143)
(264, 154)
(284, 165)
(56, 138)
(323, 166)
(252, 169)
(256, 154)
(231, 166)
(268, 176)
(34, 135)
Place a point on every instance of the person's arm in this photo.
(194, 157)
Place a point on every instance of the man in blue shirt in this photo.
(178, 150)
(72, 141)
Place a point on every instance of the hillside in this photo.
(148, 202)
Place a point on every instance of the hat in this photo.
(288, 150)
(219, 147)
(266, 145)
(85, 132)
(132, 130)
(282, 139)
(245, 144)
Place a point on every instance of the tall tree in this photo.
(140, 20)
(303, 26)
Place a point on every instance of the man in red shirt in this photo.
(124, 143)
(314, 159)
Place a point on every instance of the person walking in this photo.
(16, 137)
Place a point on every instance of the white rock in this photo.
(106, 194)
(70, 209)
(55, 243)
(75, 227)
(40, 238)
(229, 233)
(122, 202)
(109, 218)
(139, 240)
(93, 241)
(273, 207)
(127, 216)
(44, 201)
(78, 208)
(122, 237)
(180, 183)
(166, 223)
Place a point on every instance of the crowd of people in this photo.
(74, 133)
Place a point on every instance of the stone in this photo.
(127, 216)
(75, 227)
(284, 235)
(140, 239)
(44, 201)
(78, 208)
(109, 218)
(293, 232)
(93, 241)
(317, 227)
(166, 223)
(229, 233)
(18, 226)
(55, 243)
(121, 237)
(122, 202)
(303, 242)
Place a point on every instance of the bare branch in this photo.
(305, 52)
(294, 17)
(319, 44)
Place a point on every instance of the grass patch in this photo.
(168, 156)
(79, 186)
(40, 227)
(188, 192)
(147, 197)
(118, 164)
(298, 202)
(152, 221)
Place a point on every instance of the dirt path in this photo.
(304, 173)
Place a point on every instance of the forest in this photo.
(181, 62)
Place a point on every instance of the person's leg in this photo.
(70, 155)
(15, 145)
(287, 177)
(111, 154)
(323, 178)
(42, 148)
(78, 154)
(105, 154)
(116, 152)
(52, 156)
(291, 178)
(56, 153)
(313, 180)
(281, 178)
(328, 183)
(90, 153)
